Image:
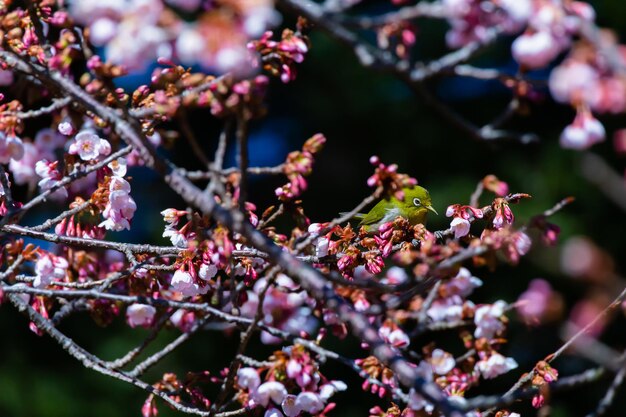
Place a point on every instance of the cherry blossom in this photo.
(184, 283)
(66, 128)
(88, 145)
(441, 361)
(535, 50)
(120, 208)
(118, 167)
(49, 268)
(446, 310)
(309, 402)
(460, 226)
(487, 319)
(495, 365)
(141, 315)
(248, 378)
(23, 170)
(463, 284)
(11, 148)
(50, 176)
(289, 406)
(584, 132)
(207, 271)
(267, 391)
(48, 140)
(394, 335)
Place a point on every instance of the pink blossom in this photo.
(102, 31)
(140, 315)
(207, 271)
(118, 167)
(470, 20)
(464, 212)
(259, 18)
(172, 216)
(189, 44)
(178, 239)
(273, 412)
(523, 243)
(460, 226)
(248, 378)
(118, 211)
(89, 146)
(572, 80)
(588, 312)
(184, 283)
(584, 132)
(395, 337)
(183, 319)
(495, 365)
(66, 128)
(442, 362)
(120, 208)
(535, 50)
(309, 402)
(49, 268)
(11, 147)
(487, 319)
(289, 406)
(448, 310)
(269, 390)
(463, 283)
(50, 176)
(48, 140)
(579, 257)
(328, 390)
(395, 275)
(608, 95)
(24, 170)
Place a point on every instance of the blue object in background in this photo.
(268, 144)
(459, 89)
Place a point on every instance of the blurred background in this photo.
(364, 113)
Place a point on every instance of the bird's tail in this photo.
(358, 216)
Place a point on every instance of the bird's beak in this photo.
(432, 209)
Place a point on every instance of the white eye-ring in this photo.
(417, 202)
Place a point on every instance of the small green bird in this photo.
(414, 208)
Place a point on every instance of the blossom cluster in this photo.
(216, 37)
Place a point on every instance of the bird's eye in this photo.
(417, 202)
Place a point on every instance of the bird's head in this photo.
(417, 203)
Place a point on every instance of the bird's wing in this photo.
(374, 215)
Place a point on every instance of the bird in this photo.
(414, 208)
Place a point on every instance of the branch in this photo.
(88, 242)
